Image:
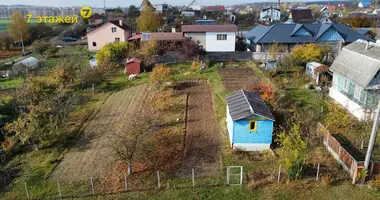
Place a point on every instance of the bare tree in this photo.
(127, 144)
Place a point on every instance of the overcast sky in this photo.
(122, 3)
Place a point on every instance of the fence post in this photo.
(316, 179)
(370, 172)
(355, 173)
(59, 190)
(228, 175)
(192, 172)
(26, 190)
(92, 187)
(125, 183)
(158, 180)
(279, 174)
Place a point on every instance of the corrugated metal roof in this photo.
(243, 104)
(283, 33)
(357, 64)
(209, 28)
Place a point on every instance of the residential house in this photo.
(161, 8)
(216, 8)
(287, 36)
(364, 4)
(249, 122)
(367, 32)
(325, 11)
(325, 20)
(301, 15)
(356, 78)
(112, 31)
(162, 36)
(376, 12)
(212, 38)
(269, 15)
(96, 19)
(195, 6)
(132, 66)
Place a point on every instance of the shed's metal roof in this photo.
(243, 104)
(357, 64)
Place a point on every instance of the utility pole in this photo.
(373, 137)
(22, 42)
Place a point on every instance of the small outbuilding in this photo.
(314, 70)
(249, 122)
(133, 66)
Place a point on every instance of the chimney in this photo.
(367, 45)
(120, 22)
(173, 30)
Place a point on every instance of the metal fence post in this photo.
(158, 180)
(279, 174)
(26, 190)
(192, 172)
(59, 190)
(125, 183)
(316, 179)
(92, 187)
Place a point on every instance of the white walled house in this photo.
(212, 38)
(269, 15)
(112, 31)
(356, 78)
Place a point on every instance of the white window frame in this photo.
(117, 39)
(221, 37)
(113, 29)
(357, 92)
(346, 85)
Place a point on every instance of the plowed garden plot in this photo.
(202, 138)
(237, 78)
(92, 156)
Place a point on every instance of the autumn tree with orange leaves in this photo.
(264, 89)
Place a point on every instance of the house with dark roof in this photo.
(212, 38)
(356, 78)
(301, 15)
(260, 38)
(367, 32)
(112, 31)
(249, 122)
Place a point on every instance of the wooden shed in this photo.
(249, 122)
(133, 66)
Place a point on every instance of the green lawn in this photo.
(4, 24)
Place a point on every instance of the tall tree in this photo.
(148, 21)
(18, 27)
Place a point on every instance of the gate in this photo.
(234, 175)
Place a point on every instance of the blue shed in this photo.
(249, 121)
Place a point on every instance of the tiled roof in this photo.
(243, 104)
(209, 28)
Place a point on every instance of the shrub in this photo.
(115, 51)
(337, 119)
(160, 74)
(195, 66)
(263, 89)
(326, 180)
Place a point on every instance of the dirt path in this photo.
(93, 155)
(202, 139)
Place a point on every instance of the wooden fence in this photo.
(344, 158)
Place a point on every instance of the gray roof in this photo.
(284, 33)
(357, 64)
(243, 104)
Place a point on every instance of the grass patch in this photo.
(10, 84)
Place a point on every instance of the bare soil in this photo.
(92, 156)
(202, 140)
(237, 78)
